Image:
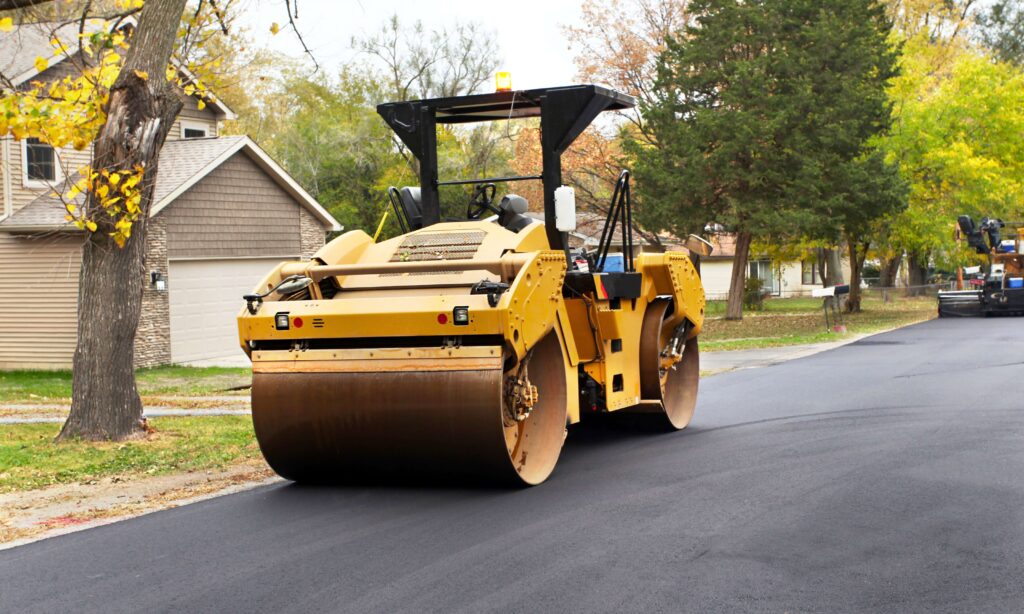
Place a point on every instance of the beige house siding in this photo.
(38, 300)
(192, 114)
(235, 211)
(153, 338)
(717, 273)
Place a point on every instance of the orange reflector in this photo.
(502, 81)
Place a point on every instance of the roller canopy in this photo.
(564, 112)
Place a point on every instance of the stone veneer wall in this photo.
(311, 234)
(153, 339)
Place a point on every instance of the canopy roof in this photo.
(515, 104)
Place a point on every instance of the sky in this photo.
(529, 32)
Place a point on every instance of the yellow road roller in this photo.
(465, 348)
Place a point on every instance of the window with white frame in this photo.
(809, 273)
(40, 162)
(194, 130)
(768, 274)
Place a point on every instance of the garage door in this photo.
(205, 297)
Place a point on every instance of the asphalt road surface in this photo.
(883, 476)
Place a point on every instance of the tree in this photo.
(877, 191)
(123, 101)
(957, 140)
(131, 114)
(618, 43)
(1002, 30)
(761, 111)
(140, 113)
(591, 165)
(420, 64)
(325, 130)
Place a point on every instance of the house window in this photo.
(810, 273)
(192, 130)
(763, 270)
(40, 161)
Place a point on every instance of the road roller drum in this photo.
(466, 349)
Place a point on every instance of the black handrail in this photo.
(620, 209)
(395, 198)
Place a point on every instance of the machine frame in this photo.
(467, 347)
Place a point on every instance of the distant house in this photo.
(223, 214)
(786, 278)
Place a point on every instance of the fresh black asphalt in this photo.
(883, 476)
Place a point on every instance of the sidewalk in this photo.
(208, 405)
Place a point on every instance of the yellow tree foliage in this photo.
(71, 110)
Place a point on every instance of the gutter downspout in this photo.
(5, 175)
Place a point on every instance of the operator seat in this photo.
(512, 209)
(409, 197)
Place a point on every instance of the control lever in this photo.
(493, 290)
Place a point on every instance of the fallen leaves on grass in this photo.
(761, 329)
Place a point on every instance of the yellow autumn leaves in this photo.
(118, 194)
(70, 111)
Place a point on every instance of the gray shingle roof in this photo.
(180, 161)
(20, 47)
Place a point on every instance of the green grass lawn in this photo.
(30, 459)
(800, 320)
(38, 386)
(802, 304)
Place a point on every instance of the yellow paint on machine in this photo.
(378, 319)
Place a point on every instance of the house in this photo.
(784, 279)
(224, 213)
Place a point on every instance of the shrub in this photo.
(753, 294)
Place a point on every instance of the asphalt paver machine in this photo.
(467, 347)
(999, 289)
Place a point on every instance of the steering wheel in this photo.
(482, 201)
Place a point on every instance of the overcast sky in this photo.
(528, 31)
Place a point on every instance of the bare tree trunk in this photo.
(917, 273)
(858, 253)
(737, 283)
(835, 266)
(105, 403)
(823, 270)
(831, 271)
(890, 267)
(887, 278)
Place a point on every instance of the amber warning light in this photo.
(502, 81)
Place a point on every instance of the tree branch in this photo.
(292, 8)
(10, 5)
